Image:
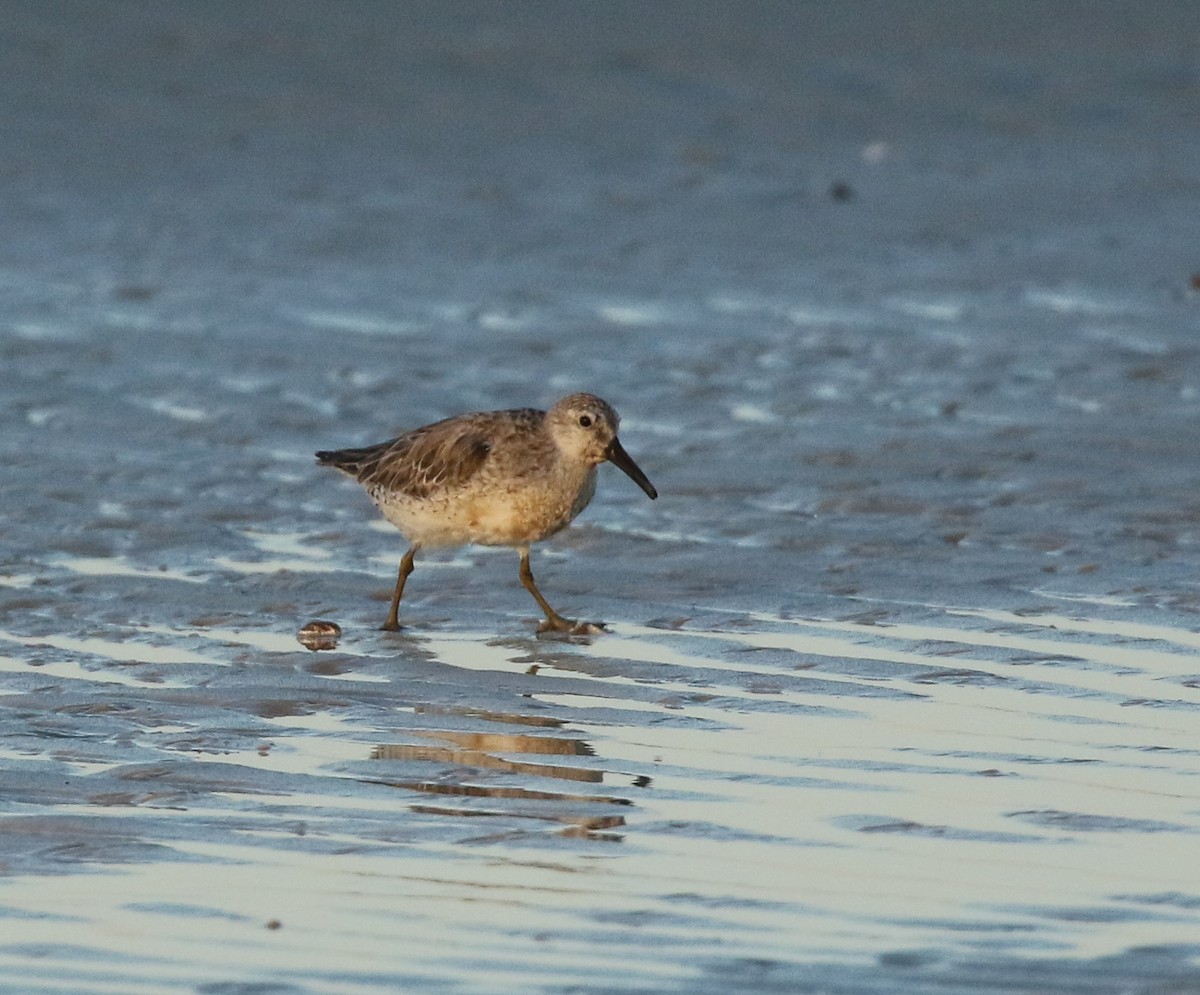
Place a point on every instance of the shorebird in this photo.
(495, 478)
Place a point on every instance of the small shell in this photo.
(319, 634)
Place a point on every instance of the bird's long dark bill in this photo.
(618, 457)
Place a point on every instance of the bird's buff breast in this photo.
(489, 515)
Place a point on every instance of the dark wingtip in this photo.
(335, 458)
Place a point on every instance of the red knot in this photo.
(495, 478)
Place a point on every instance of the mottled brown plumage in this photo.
(497, 478)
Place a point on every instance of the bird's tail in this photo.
(347, 460)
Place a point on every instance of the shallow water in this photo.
(901, 684)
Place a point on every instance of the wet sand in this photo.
(900, 689)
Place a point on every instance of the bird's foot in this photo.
(567, 627)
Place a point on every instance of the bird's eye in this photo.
(585, 421)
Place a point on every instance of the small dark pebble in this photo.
(319, 634)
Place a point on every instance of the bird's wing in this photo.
(429, 460)
(441, 456)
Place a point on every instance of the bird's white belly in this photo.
(488, 515)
